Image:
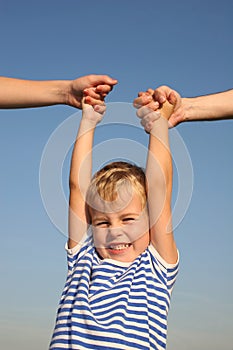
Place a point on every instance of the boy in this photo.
(119, 283)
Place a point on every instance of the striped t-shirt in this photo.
(107, 304)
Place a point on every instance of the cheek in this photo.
(137, 230)
(99, 236)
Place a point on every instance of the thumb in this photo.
(175, 99)
(102, 80)
(172, 98)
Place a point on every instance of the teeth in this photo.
(119, 246)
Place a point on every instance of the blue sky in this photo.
(184, 44)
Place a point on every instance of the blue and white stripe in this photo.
(110, 305)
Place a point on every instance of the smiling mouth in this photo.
(119, 247)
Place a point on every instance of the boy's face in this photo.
(120, 228)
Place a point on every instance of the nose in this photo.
(115, 231)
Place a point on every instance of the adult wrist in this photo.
(207, 107)
(64, 91)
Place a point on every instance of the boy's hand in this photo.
(93, 113)
(93, 87)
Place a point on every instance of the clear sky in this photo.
(185, 44)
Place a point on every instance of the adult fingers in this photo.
(91, 92)
(104, 89)
(93, 101)
(162, 93)
(147, 109)
(142, 100)
(98, 92)
(96, 80)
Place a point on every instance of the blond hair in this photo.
(107, 181)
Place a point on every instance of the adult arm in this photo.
(216, 106)
(209, 107)
(19, 93)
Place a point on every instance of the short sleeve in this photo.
(74, 254)
(72, 251)
(168, 272)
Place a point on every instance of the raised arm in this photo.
(80, 172)
(19, 93)
(159, 178)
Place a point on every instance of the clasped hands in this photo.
(150, 104)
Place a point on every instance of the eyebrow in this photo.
(129, 214)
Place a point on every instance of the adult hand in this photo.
(93, 87)
(157, 98)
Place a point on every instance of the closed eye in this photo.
(102, 224)
(128, 220)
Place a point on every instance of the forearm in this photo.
(81, 161)
(80, 177)
(159, 162)
(209, 107)
(159, 172)
(18, 93)
(159, 177)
